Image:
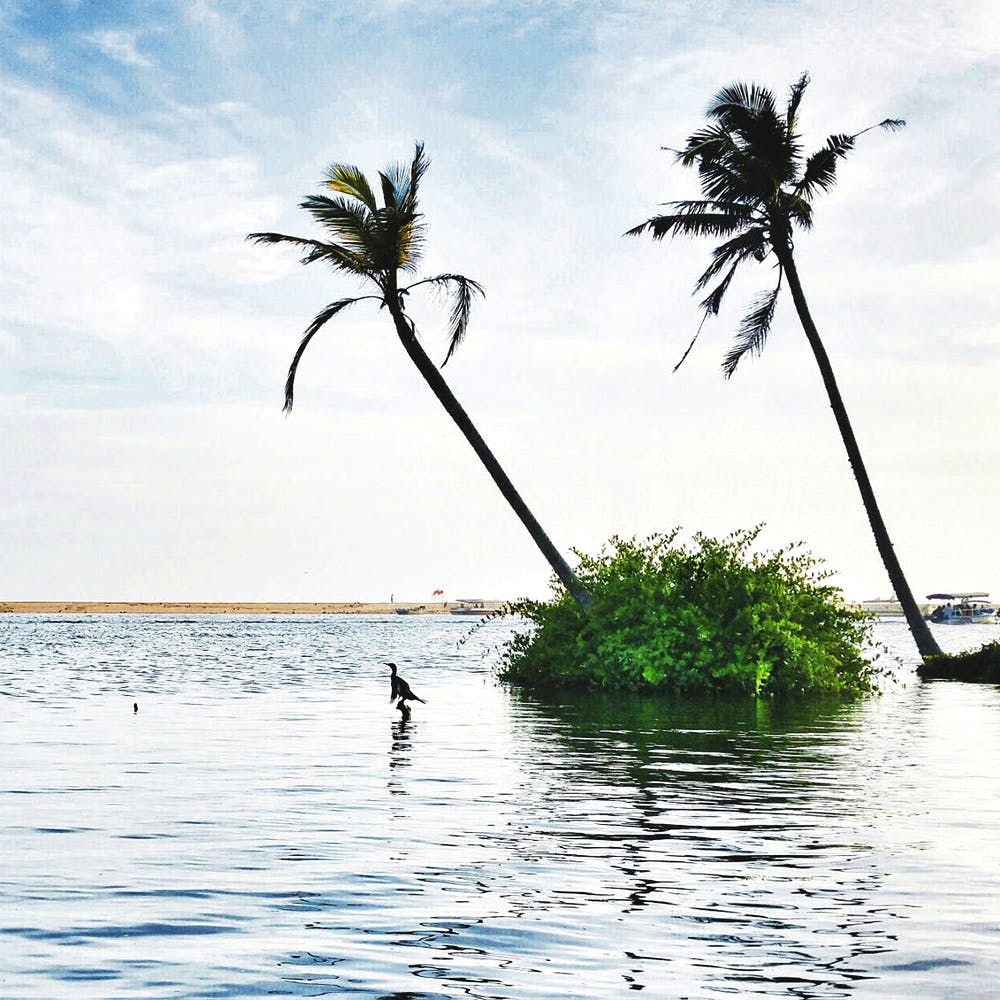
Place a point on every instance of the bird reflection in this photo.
(400, 742)
(399, 755)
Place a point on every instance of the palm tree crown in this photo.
(378, 243)
(373, 242)
(758, 189)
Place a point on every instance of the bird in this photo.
(401, 690)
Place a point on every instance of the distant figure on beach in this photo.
(400, 690)
(135, 707)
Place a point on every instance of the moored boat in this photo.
(969, 607)
(473, 606)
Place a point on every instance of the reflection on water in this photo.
(733, 828)
(267, 825)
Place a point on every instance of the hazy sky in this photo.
(144, 344)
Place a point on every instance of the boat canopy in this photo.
(958, 595)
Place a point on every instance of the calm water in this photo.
(265, 826)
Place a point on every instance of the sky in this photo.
(144, 343)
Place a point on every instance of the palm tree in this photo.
(757, 189)
(379, 244)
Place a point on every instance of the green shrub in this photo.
(977, 665)
(708, 616)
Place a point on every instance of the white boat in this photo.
(473, 606)
(968, 608)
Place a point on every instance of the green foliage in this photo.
(979, 665)
(709, 616)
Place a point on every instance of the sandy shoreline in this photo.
(214, 608)
(879, 608)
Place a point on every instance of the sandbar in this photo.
(218, 608)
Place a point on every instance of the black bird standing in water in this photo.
(401, 690)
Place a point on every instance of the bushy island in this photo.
(980, 666)
(711, 615)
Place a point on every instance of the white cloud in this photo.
(126, 280)
(221, 27)
(121, 46)
(124, 240)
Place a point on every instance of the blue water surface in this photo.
(266, 825)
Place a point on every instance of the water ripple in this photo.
(265, 826)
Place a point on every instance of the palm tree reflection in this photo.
(733, 826)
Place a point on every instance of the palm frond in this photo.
(739, 98)
(748, 113)
(751, 243)
(712, 303)
(418, 167)
(345, 178)
(267, 239)
(797, 209)
(697, 334)
(887, 125)
(410, 244)
(463, 289)
(821, 168)
(690, 206)
(351, 220)
(794, 100)
(737, 163)
(399, 226)
(760, 144)
(820, 173)
(337, 256)
(401, 182)
(684, 224)
(322, 317)
(390, 192)
(734, 178)
(753, 330)
(709, 142)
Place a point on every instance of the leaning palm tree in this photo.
(380, 244)
(758, 189)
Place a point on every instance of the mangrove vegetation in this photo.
(714, 615)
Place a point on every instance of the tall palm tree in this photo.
(380, 244)
(757, 189)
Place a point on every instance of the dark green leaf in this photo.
(753, 331)
(314, 327)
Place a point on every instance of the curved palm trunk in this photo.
(440, 388)
(926, 643)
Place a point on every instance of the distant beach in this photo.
(218, 608)
(879, 608)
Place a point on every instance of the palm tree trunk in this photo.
(440, 388)
(926, 644)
